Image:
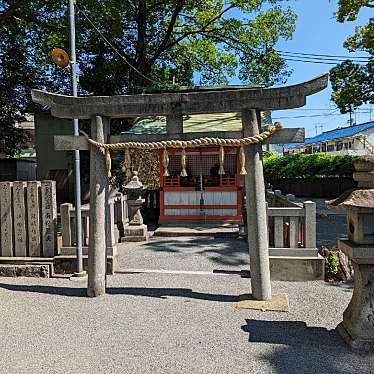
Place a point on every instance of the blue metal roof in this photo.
(342, 132)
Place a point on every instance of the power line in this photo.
(312, 62)
(329, 110)
(317, 115)
(116, 50)
(323, 55)
(322, 58)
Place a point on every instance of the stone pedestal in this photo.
(135, 233)
(357, 328)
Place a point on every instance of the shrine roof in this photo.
(196, 123)
(335, 134)
(358, 198)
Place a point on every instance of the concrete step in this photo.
(218, 230)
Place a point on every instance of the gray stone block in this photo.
(298, 269)
(32, 270)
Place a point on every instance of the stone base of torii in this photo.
(174, 105)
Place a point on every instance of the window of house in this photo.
(316, 149)
(330, 147)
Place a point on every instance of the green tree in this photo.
(181, 41)
(352, 83)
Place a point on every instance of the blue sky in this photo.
(318, 32)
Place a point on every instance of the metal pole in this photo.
(74, 83)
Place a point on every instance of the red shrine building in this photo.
(204, 192)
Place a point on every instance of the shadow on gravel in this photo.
(63, 291)
(302, 349)
(220, 250)
(161, 293)
(164, 293)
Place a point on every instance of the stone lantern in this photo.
(135, 230)
(357, 327)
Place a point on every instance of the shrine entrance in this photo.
(173, 105)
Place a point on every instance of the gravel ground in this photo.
(172, 323)
(186, 253)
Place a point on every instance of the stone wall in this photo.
(28, 216)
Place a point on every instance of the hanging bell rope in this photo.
(242, 161)
(221, 170)
(184, 163)
(165, 162)
(108, 162)
(199, 142)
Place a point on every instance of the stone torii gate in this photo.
(249, 101)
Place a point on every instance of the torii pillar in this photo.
(256, 209)
(98, 194)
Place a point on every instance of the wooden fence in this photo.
(28, 217)
(293, 227)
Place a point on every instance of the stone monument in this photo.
(357, 327)
(135, 230)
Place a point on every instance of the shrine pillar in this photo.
(98, 187)
(256, 210)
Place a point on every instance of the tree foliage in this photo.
(352, 83)
(307, 166)
(182, 41)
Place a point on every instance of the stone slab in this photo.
(297, 269)
(134, 239)
(19, 219)
(13, 260)
(33, 218)
(6, 229)
(277, 303)
(15, 270)
(49, 218)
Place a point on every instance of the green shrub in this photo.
(331, 265)
(307, 165)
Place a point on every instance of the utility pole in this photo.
(74, 82)
(318, 126)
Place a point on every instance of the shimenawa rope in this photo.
(199, 142)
